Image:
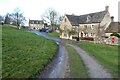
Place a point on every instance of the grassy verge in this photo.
(77, 68)
(107, 55)
(24, 54)
(54, 34)
(0, 51)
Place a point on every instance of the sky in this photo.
(33, 9)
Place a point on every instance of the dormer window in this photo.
(88, 18)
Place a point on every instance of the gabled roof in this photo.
(36, 21)
(113, 27)
(87, 18)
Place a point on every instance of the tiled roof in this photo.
(113, 27)
(87, 18)
(36, 22)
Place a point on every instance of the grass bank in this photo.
(0, 51)
(24, 54)
(77, 68)
(54, 34)
(106, 55)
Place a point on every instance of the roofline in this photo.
(85, 14)
(92, 13)
(90, 23)
(69, 20)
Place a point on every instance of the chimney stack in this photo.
(112, 18)
(107, 8)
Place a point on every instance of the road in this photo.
(58, 68)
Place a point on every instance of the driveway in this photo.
(95, 70)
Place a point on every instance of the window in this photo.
(65, 19)
(65, 35)
(92, 26)
(88, 18)
(65, 28)
(91, 34)
(33, 22)
(85, 26)
(36, 22)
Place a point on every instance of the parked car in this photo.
(49, 30)
(43, 29)
(40, 30)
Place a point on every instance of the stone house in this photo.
(113, 28)
(36, 24)
(89, 26)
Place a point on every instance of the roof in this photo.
(113, 27)
(87, 18)
(36, 21)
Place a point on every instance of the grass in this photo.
(107, 55)
(54, 34)
(77, 68)
(24, 54)
(0, 51)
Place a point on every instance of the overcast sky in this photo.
(33, 9)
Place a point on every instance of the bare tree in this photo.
(17, 17)
(1, 18)
(7, 19)
(52, 16)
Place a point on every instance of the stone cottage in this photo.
(91, 26)
(36, 24)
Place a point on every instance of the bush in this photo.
(115, 34)
(87, 38)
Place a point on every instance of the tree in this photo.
(71, 32)
(61, 31)
(17, 17)
(52, 16)
(7, 19)
(60, 19)
(1, 18)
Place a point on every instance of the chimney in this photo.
(112, 18)
(107, 8)
(73, 14)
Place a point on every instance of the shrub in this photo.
(115, 34)
(87, 38)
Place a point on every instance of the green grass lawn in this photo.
(106, 55)
(0, 51)
(54, 34)
(77, 68)
(24, 54)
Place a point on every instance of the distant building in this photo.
(36, 24)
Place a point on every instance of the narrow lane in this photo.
(46, 36)
(58, 68)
